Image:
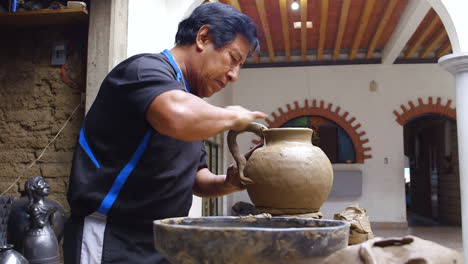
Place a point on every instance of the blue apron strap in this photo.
(123, 176)
(87, 149)
(111, 196)
(177, 69)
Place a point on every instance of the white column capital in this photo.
(455, 63)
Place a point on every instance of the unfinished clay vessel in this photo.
(287, 175)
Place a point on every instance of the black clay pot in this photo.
(10, 256)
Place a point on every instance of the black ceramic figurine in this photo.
(40, 243)
(19, 220)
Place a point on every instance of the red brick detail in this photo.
(422, 108)
(326, 111)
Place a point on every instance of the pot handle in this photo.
(234, 148)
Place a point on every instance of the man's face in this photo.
(217, 67)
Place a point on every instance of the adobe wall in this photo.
(35, 103)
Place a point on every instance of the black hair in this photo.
(224, 23)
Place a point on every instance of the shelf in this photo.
(44, 17)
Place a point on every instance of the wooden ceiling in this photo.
(345, 32)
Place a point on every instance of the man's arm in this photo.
(187, 117)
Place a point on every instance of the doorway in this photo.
(432, 183)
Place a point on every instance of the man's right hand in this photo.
(244, 117)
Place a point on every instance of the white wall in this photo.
(152, 25)
(348, 87)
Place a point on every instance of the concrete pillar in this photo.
(107, 42)
(457, 64)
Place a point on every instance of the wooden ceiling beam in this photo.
(434, 22)
(444, 50)
(362, 28)
(383, 22)
(323, 28)
(433, 43)
(303, 7)
(266, 28)
(341, 28)
(412, 16)
(285, 25)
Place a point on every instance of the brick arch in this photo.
(421, 108)
(326, 111)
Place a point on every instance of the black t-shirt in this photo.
(160, 185)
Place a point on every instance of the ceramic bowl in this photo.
(248, 240)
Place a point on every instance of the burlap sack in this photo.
(395, 250)
(360, 229)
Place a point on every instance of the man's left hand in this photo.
(233, 179)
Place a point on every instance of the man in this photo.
(140, 156)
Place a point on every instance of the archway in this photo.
(453, 16)
(324, 113)
(432, 176)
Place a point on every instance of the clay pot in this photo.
(10, 256)
(287, 175)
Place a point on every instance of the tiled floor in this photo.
(448, 236)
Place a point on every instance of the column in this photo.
(107, 42)
(457, 64)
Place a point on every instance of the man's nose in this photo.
(233, 74)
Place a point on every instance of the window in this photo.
(212, 206)
(328, 136)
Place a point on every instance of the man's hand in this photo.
(244, 117)
(232, 174)
(208, 184)
(233, 180)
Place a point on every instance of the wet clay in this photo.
(287, 175)
(315, 215)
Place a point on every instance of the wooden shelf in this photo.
(44, 17)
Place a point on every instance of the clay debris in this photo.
(395, 250)
(360, 229)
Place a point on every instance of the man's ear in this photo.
(203, 37)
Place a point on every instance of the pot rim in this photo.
(6, 246)
(180, 225)
(288, 128)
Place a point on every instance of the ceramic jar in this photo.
(287, 175)
(10, 256)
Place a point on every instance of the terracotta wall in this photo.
(35, 103)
